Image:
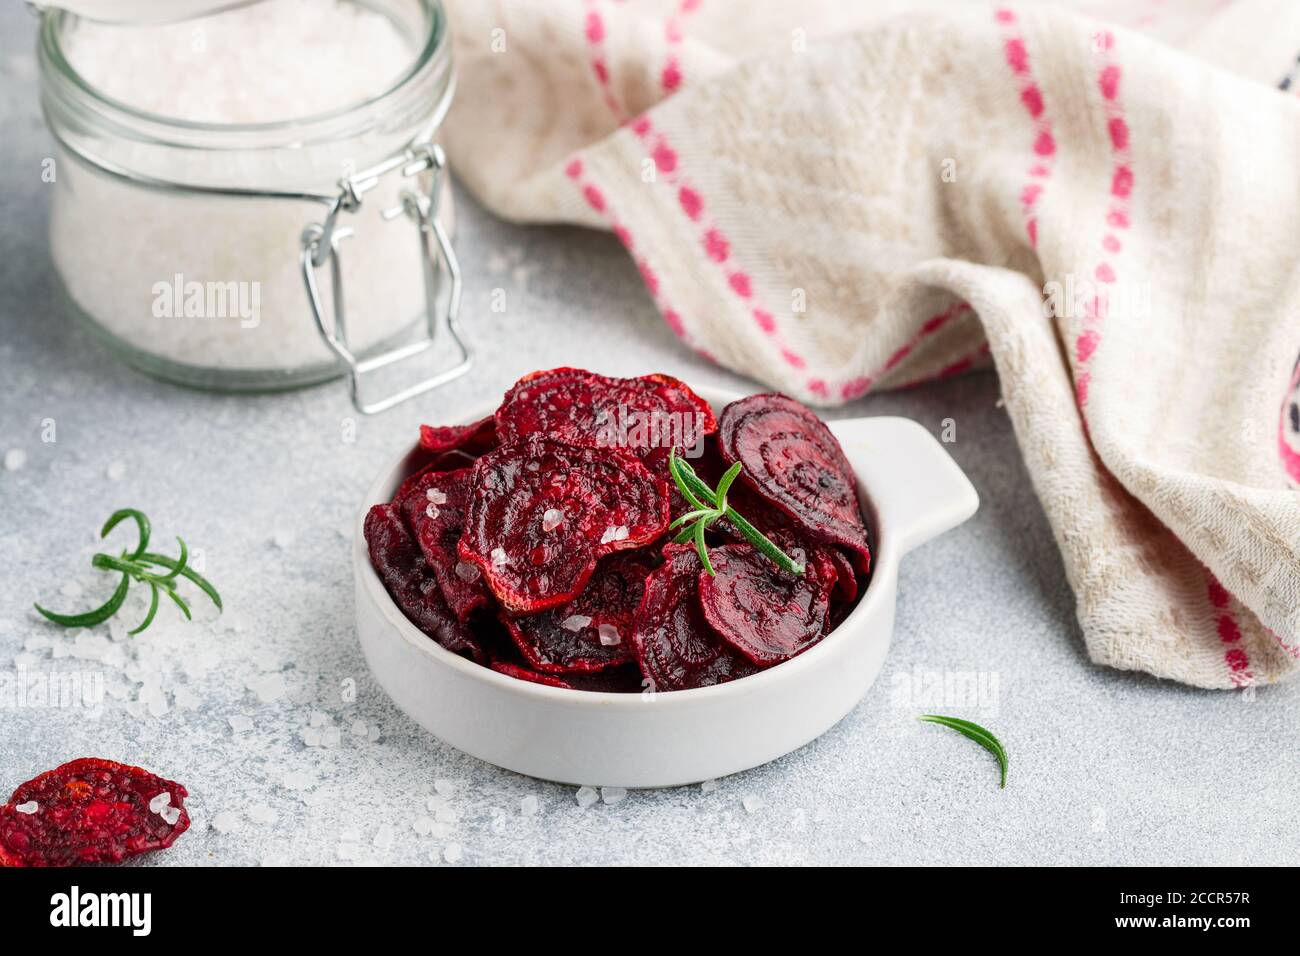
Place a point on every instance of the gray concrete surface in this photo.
(1107, 768)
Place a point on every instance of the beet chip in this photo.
(435, 508)
(406, 574)
(543, 513)
(523, 673)
(674, 645)
(767, 614)
(90, 811)
(594, 630)
(792, 460)
(476, 438)
(647, 416)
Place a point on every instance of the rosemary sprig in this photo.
(139, 565)
(976, 733)
(711, 505)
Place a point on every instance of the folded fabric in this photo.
(833, 198)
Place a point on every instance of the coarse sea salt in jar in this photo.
(250, 199)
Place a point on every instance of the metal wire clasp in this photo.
(320, 247)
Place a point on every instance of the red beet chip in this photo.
(435, 508)
(90, 811)
(446, 461)
(543, 513)
(846, 579)
(594, 630)
(406, 574)
(767, 614)
(674, 645)
(533, 677)
(474, 439)
(792, 460)
(648, 415)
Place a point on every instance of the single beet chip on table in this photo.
(90, 811)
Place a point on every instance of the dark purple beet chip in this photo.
(594, 630)
(767, 614)
(406, 574)
(792, 460)
(435, 509)
(533, 677)
(647, 415)
(675, 647)
(543, 512)
(476, 438)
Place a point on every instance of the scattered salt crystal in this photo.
(431, 511)
(350, 836)
(71, 589)
(613, 794)
(466, 571)
(347, 851)
(240, 724)
(225, 822)
(170, 815)
(453, 853)
(30, 807)
(15, 458)
(269, 688)
(186, 699)
(440, 830)
(445, 815)
(528, 806)
(608, 635)
(752, 804)
(261, 813)
(422, 826)
(708, 786)
(331, 737)
(372, 734)
(436, 496)
(160, 801)
(575, 622)
(435, 802)
(318, 718)
(311, 737)
(498, 557)
(586, 796)
(359, 728)
(299, 780)
(864, 838)
(282, 539)
(385, 836)
(614, 533)
(116, 471)
(552, 519)
(444, 787)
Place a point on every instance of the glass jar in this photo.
(216, 255)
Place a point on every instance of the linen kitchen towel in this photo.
(1099, 199)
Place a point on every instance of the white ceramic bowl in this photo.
(911, 491)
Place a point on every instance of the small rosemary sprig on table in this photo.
(140, 565)
(710, 505)
(976, 733)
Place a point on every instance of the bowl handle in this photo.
(918, 491)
